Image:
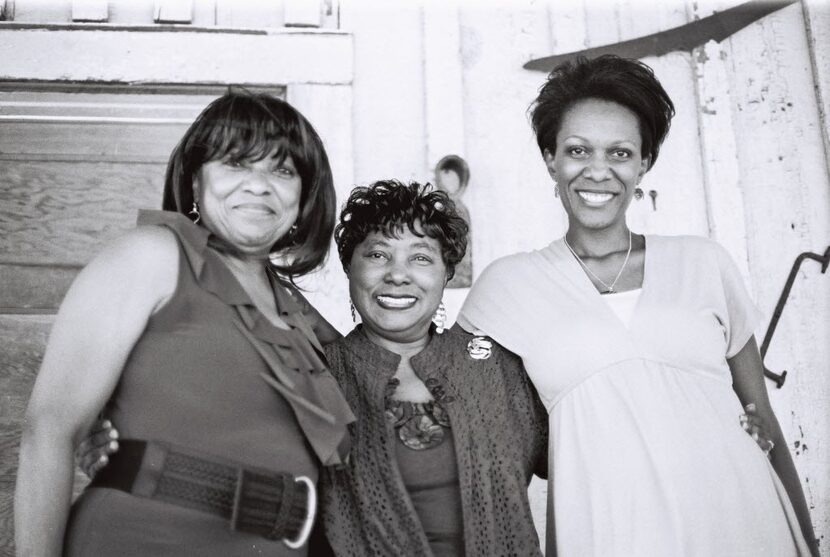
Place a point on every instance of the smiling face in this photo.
(249, 204)
(396, 284)
(597, 163)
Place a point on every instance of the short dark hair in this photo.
(454, 163)
(247, 125)
(387, 206)
(627, 82)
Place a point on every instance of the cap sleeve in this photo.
(493, 304)
(742, 315)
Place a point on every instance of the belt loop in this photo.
(237, 497)
(289, 491)
(152, 465)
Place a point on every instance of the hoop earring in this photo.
(638, 193)
(354, 316)
(194, 213)
(440, 318)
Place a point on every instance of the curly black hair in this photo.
(387, 206)
(624, 81)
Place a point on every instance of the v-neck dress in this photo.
(647, 456)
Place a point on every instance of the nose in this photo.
(397, 273)
(256, 182)
(597, 168)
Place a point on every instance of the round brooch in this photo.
(480, 348)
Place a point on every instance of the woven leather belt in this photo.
(273, 505)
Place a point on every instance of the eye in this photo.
(284, 170)
(378, 255)
(423, 259)
(233, 163)
(577, 151)
(621, 154)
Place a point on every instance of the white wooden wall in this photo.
(746, 161)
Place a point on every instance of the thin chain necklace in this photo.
(609, 289)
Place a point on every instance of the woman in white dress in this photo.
(629, 340)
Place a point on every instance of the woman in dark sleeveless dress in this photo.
(189, 332)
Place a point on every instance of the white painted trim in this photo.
(176, 57)
(443, 82)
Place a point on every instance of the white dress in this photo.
(647, 455)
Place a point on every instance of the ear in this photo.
(196, 188)
(644, 164)
(549, 162)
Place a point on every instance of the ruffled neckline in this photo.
(294, 356)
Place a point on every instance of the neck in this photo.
(598, 242)
(403, 348)
(248, 264)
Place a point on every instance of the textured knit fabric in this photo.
(647, 454)
(499, 429)
(194, 379)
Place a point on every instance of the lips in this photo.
(595, 197)
(387, 301)
(255, 209)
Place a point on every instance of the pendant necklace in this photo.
(609, 289)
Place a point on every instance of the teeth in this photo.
(396, 302)
(594, 197)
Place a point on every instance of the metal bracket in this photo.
(779, 308)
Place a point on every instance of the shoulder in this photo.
(686, 243)
(145, 259)
(688, 250)
(501, 272)
(509, 264)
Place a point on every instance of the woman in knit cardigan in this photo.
(449, 430)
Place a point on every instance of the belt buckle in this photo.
(311, 511)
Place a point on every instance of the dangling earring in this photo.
(556, 191)
(292, 234)
(351, 307)
(638, 193)
(440, 318)
(194, 213)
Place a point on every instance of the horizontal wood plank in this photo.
(63, 212)
(33, 288)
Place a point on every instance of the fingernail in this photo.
(754, 435)
(750, 407)
(106, 423)
(745, 426)
(113, 434)
(113, 445)
(104, 459)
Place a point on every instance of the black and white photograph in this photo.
(415, 278)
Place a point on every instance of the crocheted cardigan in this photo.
(500, 432)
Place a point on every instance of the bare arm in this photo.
(100, 320)
(748, 383)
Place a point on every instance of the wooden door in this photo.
(76, 162)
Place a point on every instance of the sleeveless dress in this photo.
(647, 456)
(194, 380)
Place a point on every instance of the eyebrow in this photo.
(580, 138)
(419, 245)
